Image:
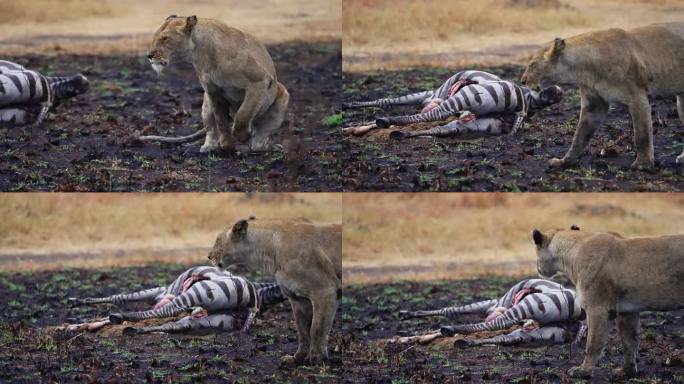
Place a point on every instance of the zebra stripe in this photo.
(426, 97)
(230, 293)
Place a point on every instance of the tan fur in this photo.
(306, 260)
(615, 66)
(243, 99)
(617, 278)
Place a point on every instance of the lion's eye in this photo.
(164, 38)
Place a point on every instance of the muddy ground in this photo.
(490, 163)
(31, 352)
(369, 313)
(88, 143)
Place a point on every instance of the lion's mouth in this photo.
(159, 65)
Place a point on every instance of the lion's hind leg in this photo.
(324, 307)
(268, 123)
(680, 110)
(628, 328)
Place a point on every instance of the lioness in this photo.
(306, 259)
(242, 96)
(615, 278)
(615, 66)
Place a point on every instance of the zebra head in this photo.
(173, 37)
(550, 95)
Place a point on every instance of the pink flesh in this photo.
(190, 281)
(431, 105)
(521, 294)
(200, 314)
(530, 326)
(164, 300)
(458, 85)
(497, 312)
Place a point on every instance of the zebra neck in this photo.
(532, 98)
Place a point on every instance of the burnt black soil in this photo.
(505, 163)
(30, 352)
(370, 313)
(88, 143)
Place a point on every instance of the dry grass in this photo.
(422, 236)
(381, 34)
(125, 229)
(87, 26)
(15, 12)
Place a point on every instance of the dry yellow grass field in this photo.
(433, 235)
(116, 26)
(384, 34)
(46, 231)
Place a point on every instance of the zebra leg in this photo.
(443, 112)
(144, 295)
(509, 318)
(490, 125)
(453, 312)
(411, 99)
(211, 323)
(543, 335)
(14, 116)
(175, 307)
(91, 326)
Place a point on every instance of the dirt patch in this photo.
(88, 142)
(31, 351)
(504, 163)
(369, 314)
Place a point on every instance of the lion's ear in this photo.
(538, 237)
(575, 227)
(239, 230)
(190, 23)
(558, 46)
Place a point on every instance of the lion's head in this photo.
(549, 264)
(172, 37)
(233, 247)
(547, 66)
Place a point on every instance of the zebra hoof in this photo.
(397, 135)
(130, 331)
(447, 331)
(382, 122)
(116, 318)
(460, 343)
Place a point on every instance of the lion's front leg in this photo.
(593, 112)
(302, 312)
(211, 141)
(324, 308)
(221, 112)
(640, 109)
(599, 326)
